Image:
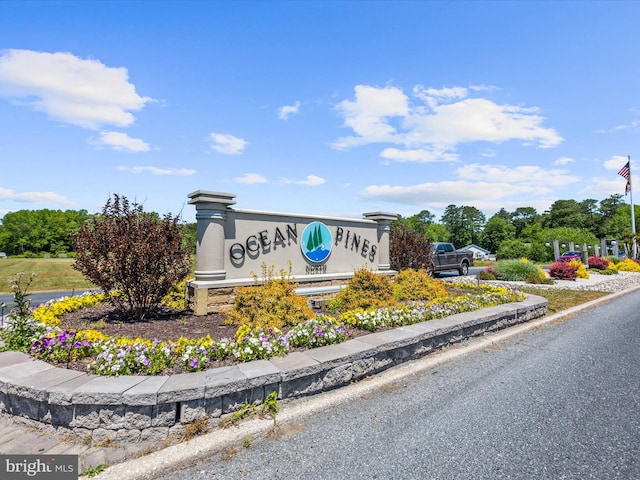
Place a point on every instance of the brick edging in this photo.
(132, 408)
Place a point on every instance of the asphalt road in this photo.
(559, 402)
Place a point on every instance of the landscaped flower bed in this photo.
(104, 355)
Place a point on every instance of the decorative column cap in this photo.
(207, 196)
(380, 216)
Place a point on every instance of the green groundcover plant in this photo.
(45, 340)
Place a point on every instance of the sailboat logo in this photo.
(316, 242)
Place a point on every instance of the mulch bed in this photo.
(166, 324)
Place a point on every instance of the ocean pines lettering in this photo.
(264, 241)
(355, 242)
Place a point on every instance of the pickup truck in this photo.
(446, 257)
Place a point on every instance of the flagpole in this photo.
(633, 218)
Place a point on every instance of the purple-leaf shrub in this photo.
(598, 263)
(563, 271)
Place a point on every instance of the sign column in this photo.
(211, 216)
(384, 220)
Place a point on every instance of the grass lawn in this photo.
(563, 299)
(52, 274)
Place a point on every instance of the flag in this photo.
(625, 172)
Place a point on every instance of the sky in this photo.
(332, 108)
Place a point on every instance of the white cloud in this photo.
(478, 120)
(285, 111)
(603, 187)
(487, 187)
(34, 197)
(121, 142)
(311, 180)
(439, 193)
(251, 178)
(227, 144)
(433, 96)
(617, 162)
(440, 120)
(420, 156)
(157, 170)
(483, 88)
(368, 115)
(82, 92)
(525, 174)
(564, 161)
(632, 124)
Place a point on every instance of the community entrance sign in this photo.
(234, 245)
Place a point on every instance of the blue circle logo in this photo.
(316, 242)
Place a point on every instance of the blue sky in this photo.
(332, 107)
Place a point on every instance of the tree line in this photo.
(36, 232)
(524, 232)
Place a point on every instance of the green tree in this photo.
(530, 233)
(475, 220)
(510, 249)
(592, 217)
(610, 205)
(17, 231)
(420, 222)
(135, 257)
(496, 231)
(523, 217)
(566, 235)
(464, 223)
(620, 222)
(189, 231)
(436, 232)
(39, 230)
(503, 214)
(565, 213)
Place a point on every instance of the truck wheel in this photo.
(464, 268)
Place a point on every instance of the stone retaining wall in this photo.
(153, 408)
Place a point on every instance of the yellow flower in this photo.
(581, 271)
(51, 313)
(92, 336)
(628, 265)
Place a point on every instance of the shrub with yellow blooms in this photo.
(417, 285)
(627, 265)
(581, 270)
(274, 304)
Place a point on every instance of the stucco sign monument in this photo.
(234, 245)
